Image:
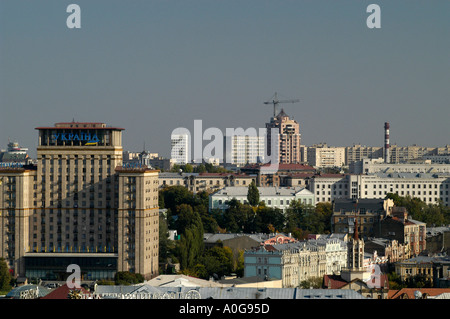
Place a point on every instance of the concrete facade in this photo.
(71, 202)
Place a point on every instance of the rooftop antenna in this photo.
(275, 102)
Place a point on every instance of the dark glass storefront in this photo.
(53, 266)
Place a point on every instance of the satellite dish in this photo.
(417, 294)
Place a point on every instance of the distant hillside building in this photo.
(14, 156)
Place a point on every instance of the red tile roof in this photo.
(333, 282)
(63, 292)
(408, 293)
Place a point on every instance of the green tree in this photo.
(431, 214)
(190, 228)
(306, 218)
(128, 278)
(237, 218)
(269, 219)
(166, 246)
(253, 194)
(315, 283)
(5, 276)
(216, 260)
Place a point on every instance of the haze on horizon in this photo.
(151, 66)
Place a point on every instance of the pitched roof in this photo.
(63, 292)
(333, 282)
(408, 293)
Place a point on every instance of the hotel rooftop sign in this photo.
(77, 134)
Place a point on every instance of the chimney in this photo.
(386, 142)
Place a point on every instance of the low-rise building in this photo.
(276, 197)
(435, 269)
(391, 249)
(367, 212)
(298, 261)
(265, 176)
(399, 226)
(209, 182)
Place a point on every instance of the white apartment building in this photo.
(431, 188)
(322, 155)
(180, 149)
(371, 166)
(276, 197)
(244, 149)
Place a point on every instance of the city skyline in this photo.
(154, 66)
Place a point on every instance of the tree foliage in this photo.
(189, 225)
(431, 214)
(253, 194)
(188, 214)
(128, 278)
(5, 276)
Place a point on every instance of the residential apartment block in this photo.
(244, 149)
(397, 154)
(322, 156)
(180, 149)
(288, 138)
(372, 166)
(429, 187)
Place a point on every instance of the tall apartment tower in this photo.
(387, 157)
(180, 148)
(79, 205)
(289, 136)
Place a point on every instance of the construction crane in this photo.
(275, 102)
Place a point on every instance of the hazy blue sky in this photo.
(151, 66)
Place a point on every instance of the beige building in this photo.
(397, 154)
(209, 182)
(289, 137)
(73, 206)
(322, 155)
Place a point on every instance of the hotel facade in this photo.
(79, 205)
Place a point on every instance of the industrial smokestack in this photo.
(386, 142)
